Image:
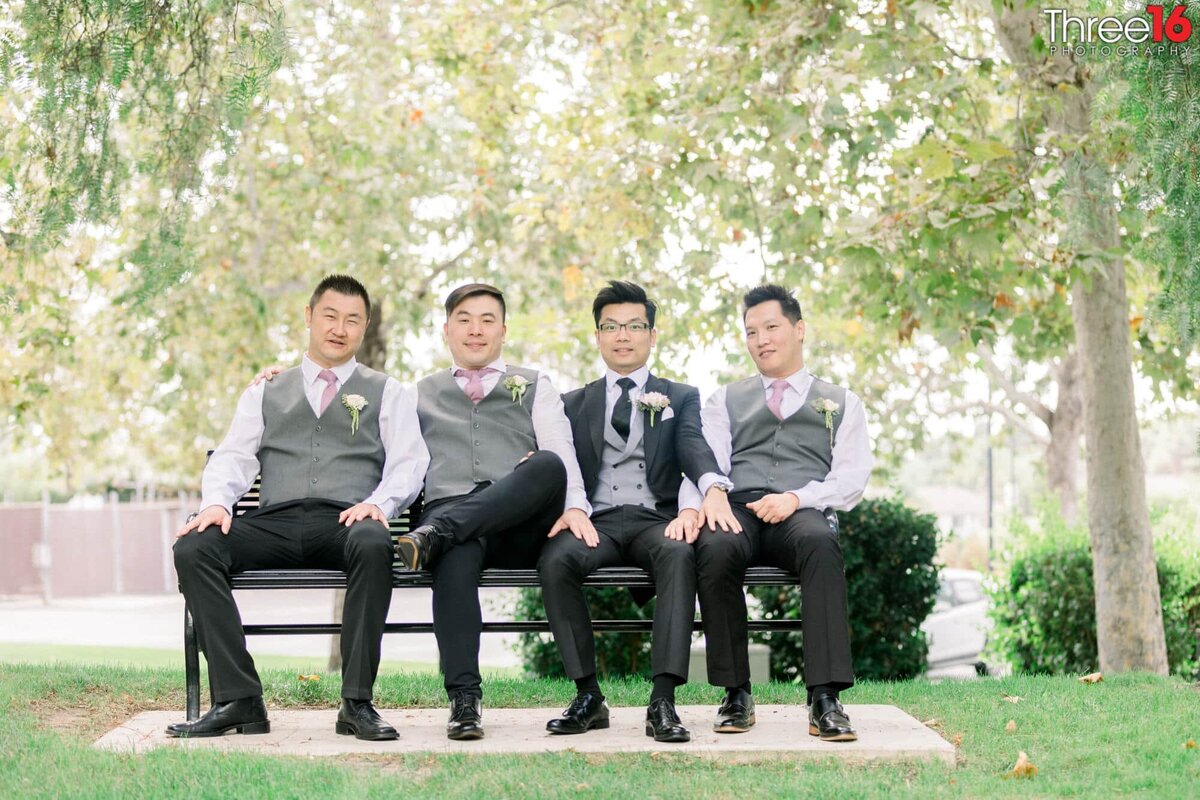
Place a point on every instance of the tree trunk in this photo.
(373, 354)
(1129, 629)
(1066, 427)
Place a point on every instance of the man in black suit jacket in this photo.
(635, 435)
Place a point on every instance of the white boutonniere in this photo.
(355, 403)
(654, 402)
(517, 385)
(829, 409)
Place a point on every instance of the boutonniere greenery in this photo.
(355, 403)
(654, 402)
(517, 385)
(830, 409)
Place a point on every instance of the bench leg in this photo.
(191, 665)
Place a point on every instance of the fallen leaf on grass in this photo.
(1012, 698)
(957, 740)
(303, 678)
(1095, 677)
(1011, 727)
(1190, 744)
(1023, 768)
(582, 787)
(932, 722)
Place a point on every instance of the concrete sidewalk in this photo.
(885, 734)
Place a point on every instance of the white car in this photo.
(958, 627)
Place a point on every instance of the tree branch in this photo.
(1036, 406)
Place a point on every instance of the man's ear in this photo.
(308, 316)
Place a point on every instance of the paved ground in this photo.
(885, 733)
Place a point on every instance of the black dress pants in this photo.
(300, 533)
(628, 535)
(804, 544)
(502, 524)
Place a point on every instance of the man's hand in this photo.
(716, 512)
(685, 527)
(267, 374)
(362, 511)
(577, 522)
(774, 508)
(213, 515)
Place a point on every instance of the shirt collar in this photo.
(311, 369)
(799, 381)
(639, 377)
(497, 365)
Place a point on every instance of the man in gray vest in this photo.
(339, 450)
(635, 435)
(796, 449)
(502, 478)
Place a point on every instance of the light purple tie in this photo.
(330, 389)
(474, 387)
(775, 401)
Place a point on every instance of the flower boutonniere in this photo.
(517, 385)
(355, 403)
(830, 409)
(654, 402)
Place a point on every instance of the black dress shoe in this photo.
(586, 711)
(420, 547)
(663, 723)
(827, 719)
(247, 715)
(360, 718)
(466, 718)
(736, 714)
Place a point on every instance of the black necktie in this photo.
(623, 410)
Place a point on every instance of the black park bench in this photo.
(403, 578)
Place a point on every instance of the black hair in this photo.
(342, 284)
(456, 298)
(623, 292)
(768, 292)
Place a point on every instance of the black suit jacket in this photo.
(674, 447)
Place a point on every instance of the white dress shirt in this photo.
(550, 426)
(234, 464)
(688, 496)
(852, 459)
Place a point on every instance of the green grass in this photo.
(1125, 736)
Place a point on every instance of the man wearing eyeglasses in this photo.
(635, 434)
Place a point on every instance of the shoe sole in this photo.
(673, 738)
(346, 729)
(840, 737)
(409, 554)
(249, 729)
(465, 737)
(595, 725)
(718, 728)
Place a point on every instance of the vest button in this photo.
(616, 488)
(639, 486)
(641, 466)
(477, 443)
(476, 411)
(318, 429)
(314, 480)
(476, 425)
(316, 458)
(477, 462)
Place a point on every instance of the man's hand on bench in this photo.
(267, 374)
(685, 527)
(213, 515)
(360, 512)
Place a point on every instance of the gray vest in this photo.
(622, 477)
(777, 456)
(302, 455)
(469, 444)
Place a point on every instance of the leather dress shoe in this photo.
(247, 715)
(736, 714)
(420, 547)
(827, 719)
(586, 711)
(662, 722)
(466, 718)
(360, 718)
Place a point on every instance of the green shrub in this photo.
(616, 653)
(1044, 604)
(892, 584)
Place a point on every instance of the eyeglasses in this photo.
(631, 327)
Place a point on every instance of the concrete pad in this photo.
(885, 734)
